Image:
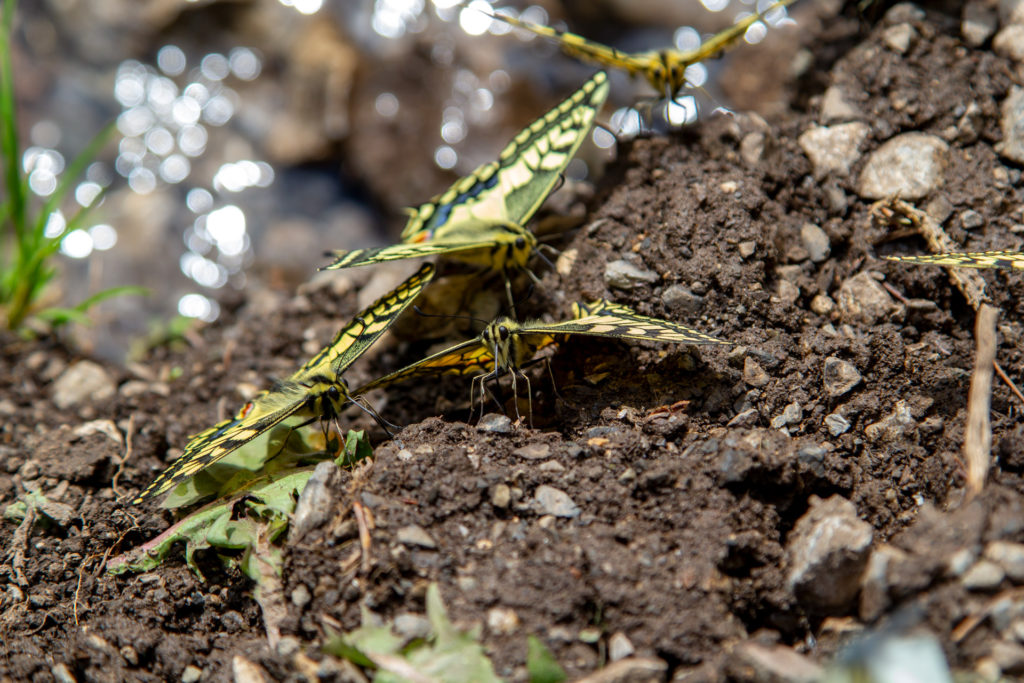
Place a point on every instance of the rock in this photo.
(301, 596)
(316, 502)
(897, 38)
(679, 299)
(495, 423)
(412, 626)
(552, 501)
(791, 415)
(983, 576)
(833, 150)
(748, 418)
(244, 671)
(971, 219)
(746, 248)
(62, 674)
(874, 588)
(533, 451)
(815, 241)
(839, 376)
(1009, 42)
(83, 381)
(836, 424)
(752, 661)
(619, 646)
(787, 292)
(754, 374)
(1012, 125)
(1011, 12)
(893, 426)
(1009, 556)
(827, 553)
(959, 562)
(624, 275)
(979, 22)
(286, 647)
(501, 496)
(908, 166)
(822, 304)
(414, 535)
(105, 427)
(1009, 656)
(835, 107)
(502, 620)
(861, 299)
(631, 670)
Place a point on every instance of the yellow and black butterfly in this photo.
(664, 69)
(316, 391)
(968, 259)
(482, 218)
(505, 345)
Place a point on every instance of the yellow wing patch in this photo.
(316, 390)
(968, 259)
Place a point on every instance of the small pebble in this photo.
(191, 674)
(971, 219)
(533, 451)
(835, 107)
(747, 248)
(897, 38)
(84, 380)
(414, 535)
(624, 275)
(822, 304)
(983, 576)
(815, 241)
(501, 496)
(979, 23)
(552, 501)
(288, 646)
(833, 150)
(893, 426)
(412, 626)
(839, 377)
(861, 299)
(301, 596)
(1009, 556)
(908, 166)
(836, 424)
(754, 374)
(619, 646)
(1009, 42)
(680, 299)
(791, 415)
(495, 423)
(747, 418)
(502, 620)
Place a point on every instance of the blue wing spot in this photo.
(477, 188)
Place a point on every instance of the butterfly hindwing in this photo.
(968, 259)
(315, 390)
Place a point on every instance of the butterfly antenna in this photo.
(449, 316)
(384, 424)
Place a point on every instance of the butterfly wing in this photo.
(968, 259)
(306, 393)
(511, 189)
(471, 357)
(603, 318)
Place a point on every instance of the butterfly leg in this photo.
(508, 291)
(384, 424)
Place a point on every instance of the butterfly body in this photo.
(664, 70)
(316, 391)
(481, 218)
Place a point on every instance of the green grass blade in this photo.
(9, 125)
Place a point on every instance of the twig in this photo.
(364, 535)
(19, 542)
(127, 454)
(978, 432)
(1009, 382)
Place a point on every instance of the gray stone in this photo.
(791, 415)
(833, 150)
(835, 107)
(1012, 125)
(897, 38)
(533, 451)
(552, 501)
(629, 670)
(837, 424)
(861, 299)
(287, 646)
(746, 248)
(874, 587)
(1011, 12)
(1009, 42)
(412, 626)
(82, 381)
(1009, 556)
(979, 22)
(622, 274)
(959, 562)
(748, 418)
(680, 299)
(316, 502)
(827, 553)
(897, 424)
(619, 646)
(815, 241)
(787, 292)
(62, 674)
(752, 661)
(301, 596)
(983, 576)
(414, 535)
(754, 374)
(908, 166)
(191, 674)
(822, 304)
(495, 423)
(501, 496)
(839, 377)
(971, 219)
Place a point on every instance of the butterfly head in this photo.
(498, 338)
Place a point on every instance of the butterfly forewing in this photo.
(968, 259)
(315, 390)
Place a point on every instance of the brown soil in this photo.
(684, 522)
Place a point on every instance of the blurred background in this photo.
(252, 135)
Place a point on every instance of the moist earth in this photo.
(732, 512)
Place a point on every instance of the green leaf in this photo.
(541, 664)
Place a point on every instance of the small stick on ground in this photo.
(19, 542)
(978, 431)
